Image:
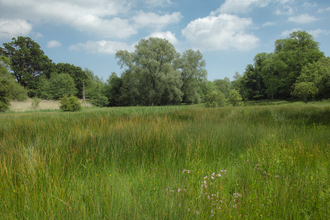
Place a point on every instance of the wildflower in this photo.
(212, 177)
(171, 191)
(212, 211)
(208, 197)
(213, 204)
(168, 188)
(180, 204)
(185, 190)
(205, 178)
(213, 174)
(235, 206)
(276, 176)
(188, 209)
(214, 194)
(197, 212)
(247, 161)
(219, 175)
(219, 208)
(179, 190)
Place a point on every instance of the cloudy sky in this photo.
(229, 33)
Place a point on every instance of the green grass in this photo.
(118, 163)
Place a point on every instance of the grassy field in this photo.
(179, 162)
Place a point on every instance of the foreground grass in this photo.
(158, 163)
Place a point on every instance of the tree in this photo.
(4, 94)
(192, 67)
(78, 75)
(27, 60)
(56, 87)
(304, 90)
(149, 73)
(318, 73)
(16, 91)
(293, 54)
(215, 99)
(234, 97)
(223, 85)
(113, 89)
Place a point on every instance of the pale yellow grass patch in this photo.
(26, 105)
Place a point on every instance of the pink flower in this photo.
(188, 209)
(197, 212)
(179, 190)
(179, 204)
(219, 175)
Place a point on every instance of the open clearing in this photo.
(269, 162)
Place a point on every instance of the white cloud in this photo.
(53, 43)
(97, 17)
(156, 3)
(266, 24)
(315, 33)
(239, 6)
(318, 32)
(10, 28)
(38, 35)
(324, 9)
(167, 35)
(288, 32)
(103, 46)
(303, 19)
(143, 19)
(220, 33)
(285, 10)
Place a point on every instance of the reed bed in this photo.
(179, 162)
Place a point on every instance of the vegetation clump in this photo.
(70, 103)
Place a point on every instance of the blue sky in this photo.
(229, 33)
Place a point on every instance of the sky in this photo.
(229, 33)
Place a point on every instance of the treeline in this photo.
(297, 67)
(156, 74)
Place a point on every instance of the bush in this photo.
(215, 99)
(234, 97)
(70, 103)
(35, 102)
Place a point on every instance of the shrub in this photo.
(215, 99)
(70, 103)
(234, 97)
(35, 102)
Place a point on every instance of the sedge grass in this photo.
(128, 163)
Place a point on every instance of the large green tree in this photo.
(27, 60)
(149, 73)
(192, 67)
(293, 54)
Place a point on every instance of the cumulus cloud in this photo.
(288, 32)
(324, 9)
(96, 17)
(303, 19)
(220, 32)
(240, 6)
(53, 43)
(38, 35)
(151, 19)
(166, 35)
(318, 32)
(10, 28)
(103, 46)
(315, 33)
(266, 24)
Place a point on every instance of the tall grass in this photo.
(121, 163)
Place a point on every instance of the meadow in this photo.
(171, 162)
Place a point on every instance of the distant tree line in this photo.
(156, 74)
